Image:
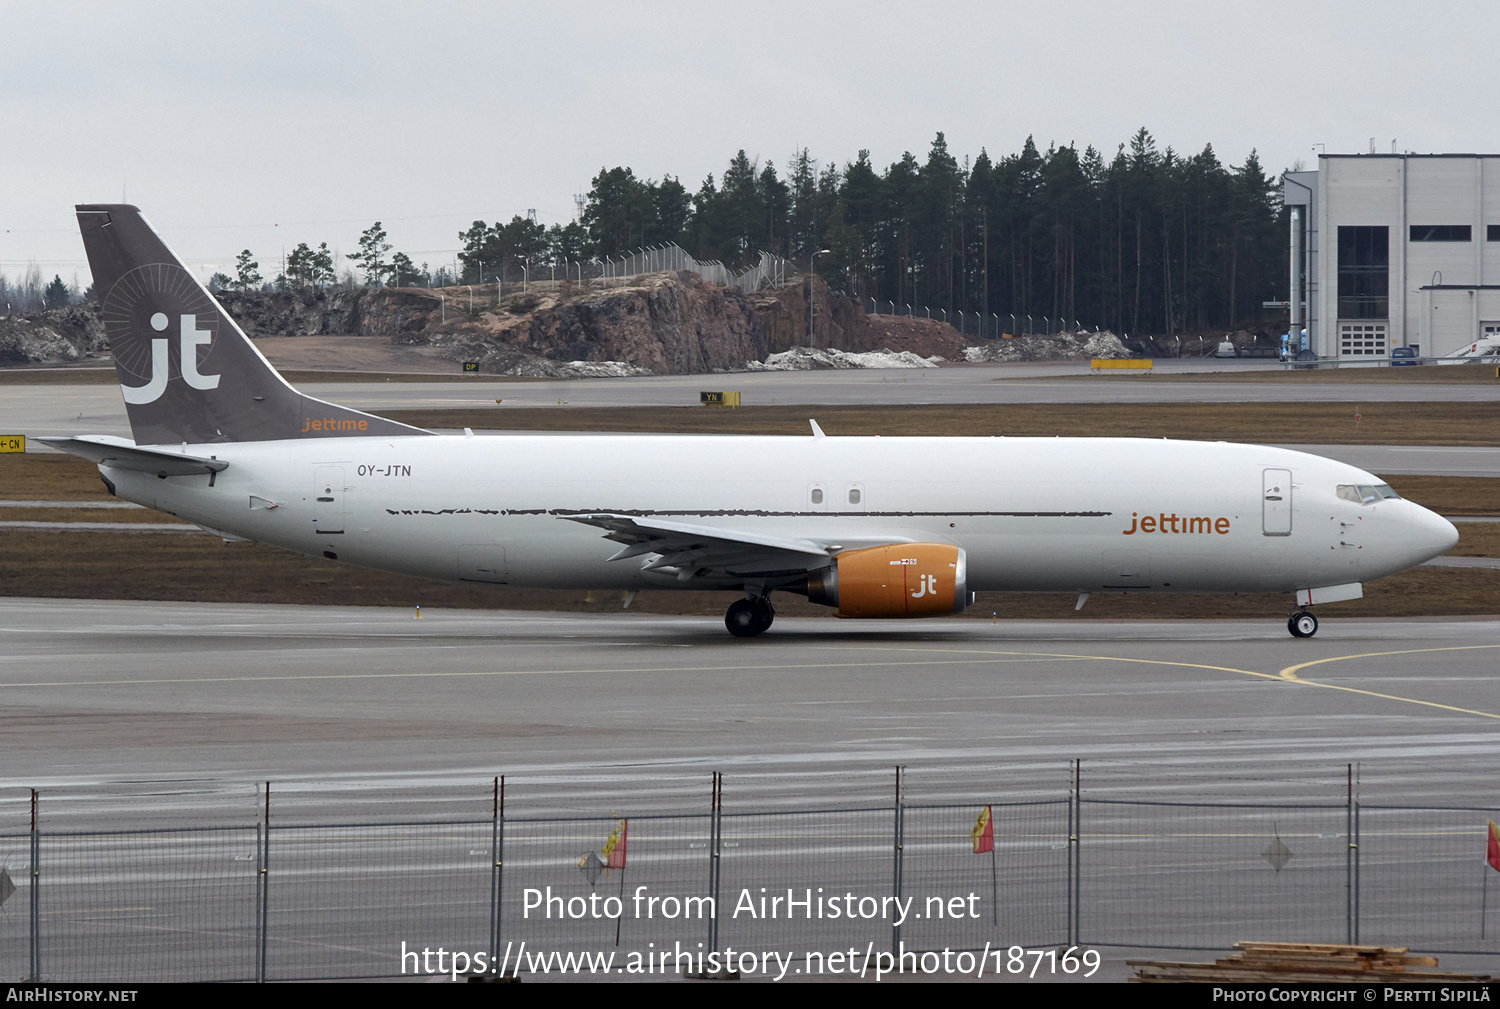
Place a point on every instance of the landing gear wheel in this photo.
(764, 615)
(743, 619)
(748, 617)
(1302, 624)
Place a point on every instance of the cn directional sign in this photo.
(12, 443)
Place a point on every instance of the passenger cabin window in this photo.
(817, 496)
(1367, 493)
(854, 495)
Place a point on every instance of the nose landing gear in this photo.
(748, 617)
(1302, 624)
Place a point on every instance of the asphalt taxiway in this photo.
(96, 690)
(147, 718)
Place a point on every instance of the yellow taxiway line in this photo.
(1287, 675)
(1290, 674)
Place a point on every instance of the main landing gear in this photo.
(1302, 624)
(748, 617)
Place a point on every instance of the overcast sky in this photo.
(263, 125)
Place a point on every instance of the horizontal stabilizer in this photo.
(123, 454)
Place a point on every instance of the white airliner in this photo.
(876, 527)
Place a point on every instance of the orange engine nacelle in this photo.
(904, 580)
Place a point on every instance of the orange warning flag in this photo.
(983, 834)
(1492, 851)
(614, 846)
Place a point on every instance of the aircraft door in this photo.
(481, 562)
(1276, 502)
(1126, 569)
(328, 500)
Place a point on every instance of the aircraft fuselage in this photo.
(1032, 514)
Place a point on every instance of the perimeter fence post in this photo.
(1072, 842)
(1354, 841)
(497, 866)
(1349, 855)
(263, 918)
(36, 896)
(898, 833)
(715, 838)
(1075, 859)
(260, 882)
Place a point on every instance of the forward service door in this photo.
(1276, 502)
(328, 500)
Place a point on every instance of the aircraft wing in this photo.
(689, 550)
(128, 455)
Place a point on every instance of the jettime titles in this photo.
(1173, 523)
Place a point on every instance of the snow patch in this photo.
(1052, 347)
(508, 361)
(809, 359)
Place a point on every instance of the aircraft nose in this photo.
(1431, 534)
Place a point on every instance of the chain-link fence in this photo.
(609, 271)
(981, 325)
(308, 884)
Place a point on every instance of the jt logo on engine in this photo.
(191, 339)
(928, 585)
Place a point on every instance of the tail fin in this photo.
(189, 374)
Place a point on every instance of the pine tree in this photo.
(322, 266)
(246, 272)
(299, 266)
(371, 255)
(56, 294)
(404, 272)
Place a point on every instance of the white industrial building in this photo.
(1395, 250)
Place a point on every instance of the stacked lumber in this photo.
(1304, 963)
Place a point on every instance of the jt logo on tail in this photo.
(192, 339)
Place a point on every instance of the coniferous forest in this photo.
(1145, 241)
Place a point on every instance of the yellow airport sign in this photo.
(12, 443)
(719, 398)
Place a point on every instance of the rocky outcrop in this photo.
(57, 336)
(296, 313)
(664, 323)
(667, 324)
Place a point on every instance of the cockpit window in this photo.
(1367, 493)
